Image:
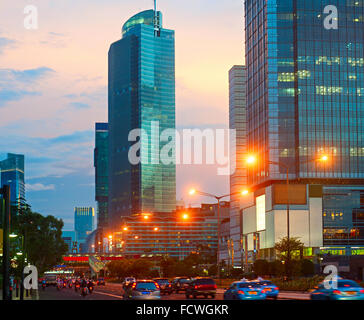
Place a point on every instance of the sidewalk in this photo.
(33, 296)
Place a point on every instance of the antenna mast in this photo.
(156, 24)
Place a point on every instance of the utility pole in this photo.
(5, 191)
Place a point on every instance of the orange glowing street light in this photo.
(251, 159)
(185, 216)
(136, 237)
(324, 158)
(146, 217)
(125, 228)
(245, 192)
(155, 229)
(110, 236)
(192, 192)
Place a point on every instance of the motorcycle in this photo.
(77, 286)
(43, 286)
(90, 289)
(70, 285)
(84, 292)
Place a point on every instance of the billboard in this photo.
(260, 212)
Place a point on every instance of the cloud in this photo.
(39, 187)
(5, 43)
(14, 95)
(17, 84)
(79, 105)
(27, 76)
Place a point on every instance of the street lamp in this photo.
(251, 160)
(218, 198)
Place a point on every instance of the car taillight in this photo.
(336, 292)
(241, 292)
(362, 291)
(276, 288)
(215, 286)
(133, 286)
(157, 285)
(263, 291)
(196, 287)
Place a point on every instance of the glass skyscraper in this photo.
(305, 88)
(141, 91)
(84, 223)
(238, 180)
(101, 164)
(305, 98)
(12, 173)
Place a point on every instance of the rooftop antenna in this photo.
(156, 23)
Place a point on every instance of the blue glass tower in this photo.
(141, 91)
(101, 164)
(305, 97)
(12, 173)
(84, 223)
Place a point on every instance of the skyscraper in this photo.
(101, 164)
(84, 223)
(305, 98)
(238, 180)
(141, 91)
(12, 173)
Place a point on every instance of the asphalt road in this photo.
(114, 292)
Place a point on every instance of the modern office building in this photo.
(238, 180)
(84, 223)
(166, 234)
(141, 96)
(101, 164)
(70, 238)
(12, 173)
(305, 98)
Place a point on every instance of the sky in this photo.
(53, 88)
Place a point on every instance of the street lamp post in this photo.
(218, 199)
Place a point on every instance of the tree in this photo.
(261, 267)
(43, 246)
(307, 267)
(285, 247)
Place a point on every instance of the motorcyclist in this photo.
(83, 286)
(90, 286)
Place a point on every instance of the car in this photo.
(245, 290)
(165, 285)
(345, 290)
(51, 280)
(180, 284)
(201, 287)
(271, 290)
(142, 290)
(100, 282)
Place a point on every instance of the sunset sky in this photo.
(53, 88)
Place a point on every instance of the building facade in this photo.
(238, 180)
(84, 224)
(101, 164)
(12, 173)
(304, 99)
(70, 238)
(172, 234)
(141, 96)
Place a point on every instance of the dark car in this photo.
(201, 287)
(180, 284)
(165, 285)
(142, 290)
(100, 281)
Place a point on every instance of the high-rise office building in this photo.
(238, 180)
(12, 173)
(101, 164)
(84, 223)
(141, 96)
(305, 98)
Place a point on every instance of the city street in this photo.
(114, 292)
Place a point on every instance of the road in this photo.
(114, 292)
